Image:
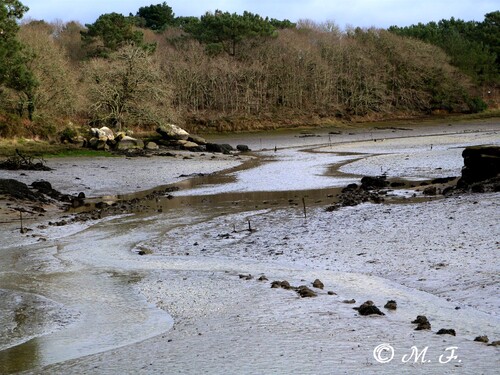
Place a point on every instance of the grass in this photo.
(45, 149)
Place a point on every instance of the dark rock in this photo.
(20, 190)
(494, 343)
(331, 293)
(423, 323)
(480, 163)
(371, 183)
(391, 305)
(368, 308)
(262, 278)
(220, 148)
(243, 148)
(420, 319)
(444, 331)
(318, 284)
(349, 301)
(431, 190)
(281, 284)
(482, 339)
(305, 292)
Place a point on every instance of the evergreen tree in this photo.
(110, 32)
(156, 17)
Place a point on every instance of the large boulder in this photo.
(129, 143)
(481, 163)
(172, 132)
(103, 134)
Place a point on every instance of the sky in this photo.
(362, 13)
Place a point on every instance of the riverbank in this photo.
(190, 257)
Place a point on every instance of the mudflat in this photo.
(211, 278)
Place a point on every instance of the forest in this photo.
(224, 71)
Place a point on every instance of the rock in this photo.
(371, 183)
(318, 284)
(444, 331)
(305, 292)
(152, 146)
(220, 148)
(480, 163)
(243, 148)
(482, 339)
(494, 343)
(172, 132)
(331, 293)
(391, 305)
(349, 301)
(103, 134)
(262, 278)
(20, 190)
(281, 284)
(423, 323)
(368, 308)
(197, 139)
(129, 143)
(98, 144)
(420, 319)
(431, 190)
(191, 146)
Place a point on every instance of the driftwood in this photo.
(24, 162)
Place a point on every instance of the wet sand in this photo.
(185, 309)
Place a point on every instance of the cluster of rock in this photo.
(368, 191)
(171, 136)
(40, 191)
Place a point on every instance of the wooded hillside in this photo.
(225, 71)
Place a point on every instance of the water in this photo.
(86, 291)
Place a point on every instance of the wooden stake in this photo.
(249, 226)
(21, 218)
(304, 204)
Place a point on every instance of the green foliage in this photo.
(14, 73)
(155, 17)
(228, 30)
(110, 32)
(472, 46)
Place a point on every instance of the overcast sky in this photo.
(363, 13)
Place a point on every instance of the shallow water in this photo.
(88, 291)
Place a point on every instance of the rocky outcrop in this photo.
(481, 171)
(480, 163)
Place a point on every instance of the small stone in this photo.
(305, 292)
(331, 293)
(494, 343)
(318, 284)
(444, 331)
(420, 319)
(482, 339)
(391, 305)
(349, 301)
(262, 278)
(368, 308)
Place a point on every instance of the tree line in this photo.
(233, 71)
